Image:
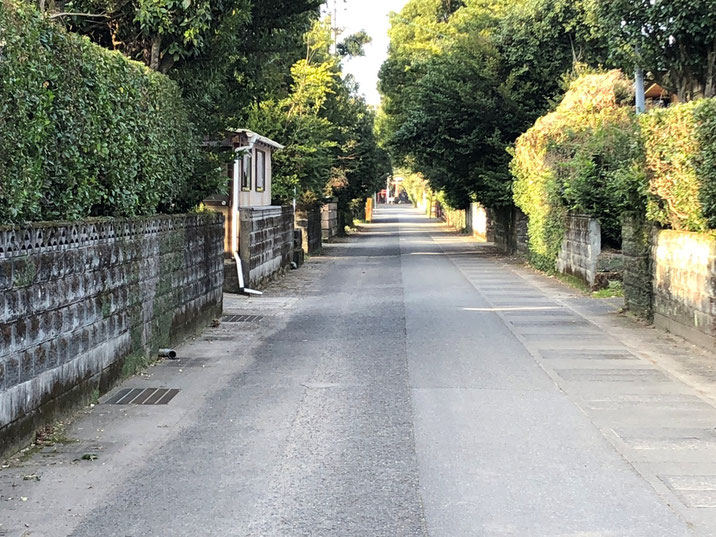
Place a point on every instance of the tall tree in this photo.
(463, 114)
(461, 84)
(675, 40)
(157, 32)
(326, 127)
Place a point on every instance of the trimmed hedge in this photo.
(578, 159)
(680, 163)
(86, 132)
(593, 156)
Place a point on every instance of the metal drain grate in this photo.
(241, 318)
(142, 396)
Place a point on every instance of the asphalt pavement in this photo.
(410, 382)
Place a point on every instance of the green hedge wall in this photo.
(680, 163)
(593, 156)
(86, 132)
(578, 159)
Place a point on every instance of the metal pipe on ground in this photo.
(240, 274)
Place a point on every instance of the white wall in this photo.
(252, 198)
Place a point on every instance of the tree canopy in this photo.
(464, 79)
(673, 40)
(268, 65)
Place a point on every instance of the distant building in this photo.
(659, 97)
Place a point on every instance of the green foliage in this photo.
(156, 32)
(360, 166)
(680, 147)
(86, 131)
(582, 158)
(304, 165)
(354, 44)
(297, 121)
(593, 156)
(226, 55)
(415, 186)
(461, 117)
(674, 40)
(614, 289)
(542, 42)
(464, 79)
(327, 130)
(705, 160)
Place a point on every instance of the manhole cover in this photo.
(241, 318)
(142, 396)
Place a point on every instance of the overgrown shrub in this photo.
(87, 132)
(581, 158)
(415, 186)
(705, 161)
(680, 149)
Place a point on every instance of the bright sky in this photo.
(371, 16)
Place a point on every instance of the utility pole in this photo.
(639, 83)
(334, 26)
(640, 97)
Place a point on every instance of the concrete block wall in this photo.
(309, 220)
(329, 220)
(84, 303)
(265, 242)
(581, 247)
(684, 284)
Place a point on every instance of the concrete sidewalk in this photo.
(409, 382)
(651, 394)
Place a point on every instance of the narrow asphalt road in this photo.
(421, 387)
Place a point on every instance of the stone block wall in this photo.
(299, 256)
(329, 220)
(455, 218)
(309, 222)
(85, 303)
(581, 247)
(265, 242)
(637, 271)
(684, 284)
(506, 227)
(477, 221)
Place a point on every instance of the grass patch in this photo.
(572, 281)
(615, 289)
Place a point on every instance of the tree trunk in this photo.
(166, 63)
(154, 54)
(710, 82)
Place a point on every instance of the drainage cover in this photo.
(142, 396)
(241, 318)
